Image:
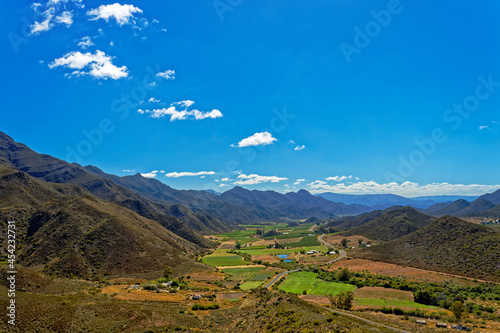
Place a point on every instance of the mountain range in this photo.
(382, 201)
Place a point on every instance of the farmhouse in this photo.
(421, 321)
(443, 325)
(196, 297)
(312, 252)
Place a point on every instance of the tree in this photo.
(344, 242)
(343, 300)
(168, 272)
(458, 308)
(238, 246)
(344, 274)
(360, 242)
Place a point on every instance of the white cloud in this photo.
(189, 174)
(86, 42)
(168, 74)
(182, 113)
(128, 170)
(291, 142)
(35, 5)
(153, 100)
(151, 174)
(66, 17)
(98, 65)
(46, 24)
(408, 189)
(223, 185)
(299, 147)
(339, 178)
(121, 13)
(258, 139)
(257, 179)
(298, 181)
(224, 179)
(483, 127)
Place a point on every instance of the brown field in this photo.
(377, 267)
(383, 293)
(318, 299)
(261, 242)
(229, 245)
(314, 259)
(267, 257)
(206, 275)
(121, 292)
(231, 295)
(289, 240)
(336, 239)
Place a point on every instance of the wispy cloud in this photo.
(98, 65)
(483, 127)
(189, 174)
(338, 178)
(128, 170)
(408, 189)
(168, 74)
(53, 13)
(121, 13)
(258, 139)
(179, 111)
(298, 181)
(153, 100)
(299, 147)
(254, 179)
(86, 42)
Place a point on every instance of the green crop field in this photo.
(306, 241)
(251, 285)
(225, 261)
(327, 288)
(392, 303)
(298, 282)
(223, 258)
(262, 276)
(242, 274)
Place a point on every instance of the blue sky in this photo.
(344, 96)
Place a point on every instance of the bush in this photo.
(213, 306)
(398, 311)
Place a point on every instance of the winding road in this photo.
(342, 255)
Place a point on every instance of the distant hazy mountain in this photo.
(382, 201)
(461, 208)
(445, 198)
(447, 245)
(213, 192)
(492, 197)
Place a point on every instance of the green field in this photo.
(223, 258)
(298, 282)
(392, 303)
(251, 285)
(242, 274)
(306, 241)
(263, 276)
